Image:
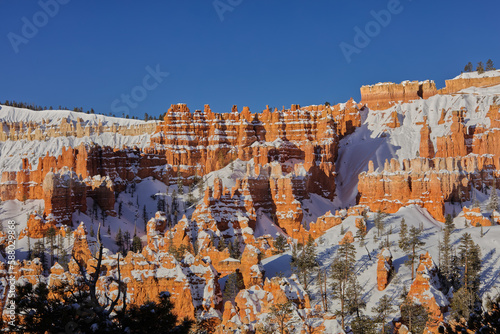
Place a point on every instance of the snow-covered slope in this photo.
(54, 117)
(376, 141)
(12, 151)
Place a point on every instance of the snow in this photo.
(375, 141)
(54, 117)
(12, 151)
(366, 268)
(475, 75)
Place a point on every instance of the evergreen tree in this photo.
(490, 66)
(480, 68)
(462, 304)
(180, 185)
(39, 252)
(155, 317)
(280, 244)
(470, 260)
(305, 262)
(119, 240)
(109, 231)
(384, 309)
(126, 241)
(414, 316)
(201, 186)
(446, 249)
(323, 290)
(30, 253)
(222, 244)
(136, 244)
(234, 284)
(51, 237)
(379, 223)
(120, 205)
(468, 67)
(475, 202)
(354, 301)
(144, 213)
(414, 243)
(281, 316)
(341, 272)
(190, 197)
(235, 250)
(493, 200)
(403, 243)
(363, 325)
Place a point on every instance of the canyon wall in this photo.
(384, 95)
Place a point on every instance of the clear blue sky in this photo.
(279, 53)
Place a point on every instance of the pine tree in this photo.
(280, 244)
(119, 240)
(354, 301)
(414, 243)
(384, 309)
(490, 66)
(234, 284)
(470, 260)
(236, 249)
(468, 67)
(493, 200)
(379, 223)
(180, 185)
(480, 68)
(136, 244)
(446, 249)
(120, 210)
(323, 290)
(201, 186)
(342, 270)
(190, 197)
(51, 236)
(414, 316)
(30, 253)
(305, 262)
(63, 259)
(222, 244)
(363, 325)
(462, 304)
(281, 315)
(126, 241)
(403, 237)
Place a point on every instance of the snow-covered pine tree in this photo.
(383, 310)
(414, 243)
(342, 270)
(490, 66)
(403, 242)
(493, 200)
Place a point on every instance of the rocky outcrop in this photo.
(257, 300)
(425, 291)
(67, 128)
(384, 95)
(210, 141)
(384, 269)
(459, 83)
(475, 217)
(426, 149)
(457, 143)
(81, 250)
(64, 193)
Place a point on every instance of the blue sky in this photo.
(246, 52)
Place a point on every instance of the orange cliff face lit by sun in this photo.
(381, 96)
